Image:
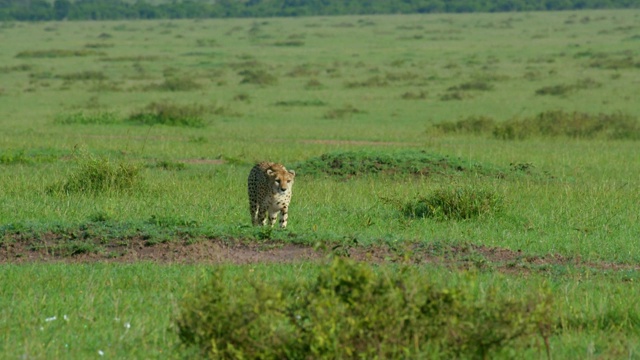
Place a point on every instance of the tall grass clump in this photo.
(455, 203)
(168, 113)
(350, 311)
(97, 175)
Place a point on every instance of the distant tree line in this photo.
(39, 10)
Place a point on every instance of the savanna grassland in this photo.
(492, 154)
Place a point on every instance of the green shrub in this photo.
(555, 123)
(405, 162)
(293, 43)
(300, 103)
(565, 89)
(167, 113)
(556, 90)
(351, 311)
(374, 81)
(169, 165)
(454, 203)
(96, 175)
(83, 76)
(13, 157)
(618, 63)
(175, 84)
(455, 95)
(342, 112)
(478, 85)
(410, 95)
(313, 84)
(257, 77)
(87, 118)
(468, 125)
(16, 157)
(21, 67)
(56, 53)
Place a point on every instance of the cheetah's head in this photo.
(281, 179)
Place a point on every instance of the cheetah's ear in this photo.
(292, 172)
(270, 172)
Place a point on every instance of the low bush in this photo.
(455, 95)
(565, 89)
(468, 125)
(556, 90)
(478, 85)
(56, 53)
(300, 103)
(21, 67)
(96, 175)
(553, 123)
(407, 162)
(175, 84)
(83, 76)
(87, 118)
(291, 42)
(615, 126)
(169, 165)
(15, 157)
(350, 311)
(168, 113)
(374, 81)
(410, 95)
(313, 84)
(342, 112)
(258, 77)
(454, 203)
(615, 63)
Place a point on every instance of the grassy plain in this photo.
(290, 90)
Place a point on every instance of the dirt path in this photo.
(218, 251)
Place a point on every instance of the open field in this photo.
(125, 148)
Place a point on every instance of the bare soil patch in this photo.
(241, 252)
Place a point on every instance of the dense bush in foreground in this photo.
(352, 311)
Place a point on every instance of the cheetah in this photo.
(269, 187)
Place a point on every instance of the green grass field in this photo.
(187, 107)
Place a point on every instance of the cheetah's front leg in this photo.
(284, 216)
(272, 217)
